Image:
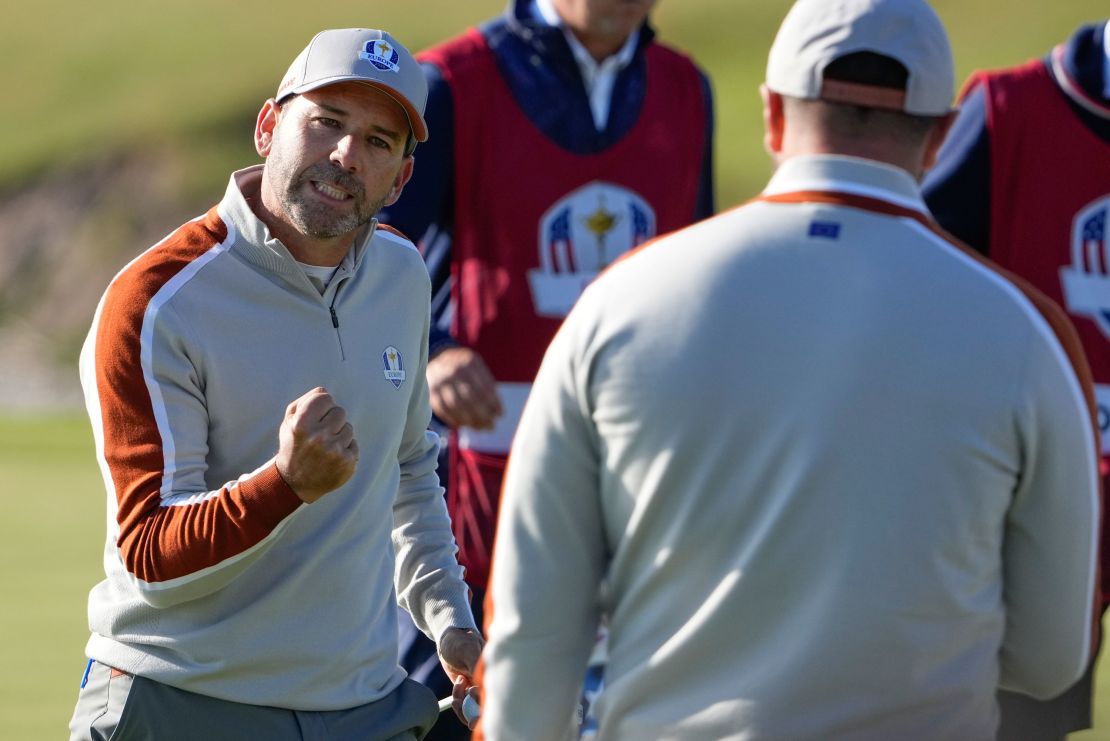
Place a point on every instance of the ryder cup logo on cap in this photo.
(363, 55)
(381, 54)
(817, 32)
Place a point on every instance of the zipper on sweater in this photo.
(335, 324)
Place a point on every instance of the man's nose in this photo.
(345, 153)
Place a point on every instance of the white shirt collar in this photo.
(844, 174)
(599, 78)
(319, 275)
(544, 10)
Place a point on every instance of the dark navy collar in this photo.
(1079, 65)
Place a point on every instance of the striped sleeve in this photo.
(1065, 333)
(176, 540)
(1051, 556)
(1081, 542)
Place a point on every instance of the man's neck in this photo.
(600, 47)
(321, 252)
(305, 249)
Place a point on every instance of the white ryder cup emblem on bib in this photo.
(1086, 282)
(394, 366)
(381, 54)
(580, 235)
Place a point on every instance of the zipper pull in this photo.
(334, 318)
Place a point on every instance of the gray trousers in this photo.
(1026, 719)
(121, 707)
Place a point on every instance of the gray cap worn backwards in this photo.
(817, 32)
(363, 55)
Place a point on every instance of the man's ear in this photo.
(264, 127)
(399, 182)
(772, 120)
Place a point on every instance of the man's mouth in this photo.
(331, 191)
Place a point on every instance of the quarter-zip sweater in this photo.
(219, 580)
(837, 476)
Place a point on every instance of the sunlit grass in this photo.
(89, 77)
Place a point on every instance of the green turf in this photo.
(51, 536)
(95, 76)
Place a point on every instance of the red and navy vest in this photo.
(534, 223)
(509, 176)
(1050, 203)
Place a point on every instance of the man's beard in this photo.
(317, 219)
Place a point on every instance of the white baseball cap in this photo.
(817, 32)
(363, 55)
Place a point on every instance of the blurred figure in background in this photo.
(564, 135)
(1024, 178)
(815, 494)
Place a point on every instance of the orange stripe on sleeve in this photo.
(159, 543)
(1069, 340)
(1055, 316)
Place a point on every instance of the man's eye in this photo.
(331, 123)
(377, 141)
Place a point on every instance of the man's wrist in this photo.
(437, 344)
(461, 629)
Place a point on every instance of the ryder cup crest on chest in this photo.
(579, 236)
(1086, 282)
(394, 366)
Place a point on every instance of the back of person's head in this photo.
(863, 70)
(851, 118)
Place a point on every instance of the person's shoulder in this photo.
(679, 66)
(672, 55)
(733, 225)
(185, 245)
(396, 255)
(1015, 288)
(393, 236)
(1005, 88)
(460, 51)
(396, 243)
(1017, 72)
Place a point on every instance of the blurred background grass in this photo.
(86, 80)
(86, 77)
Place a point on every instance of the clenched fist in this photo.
(317, 450)
(462, 391)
